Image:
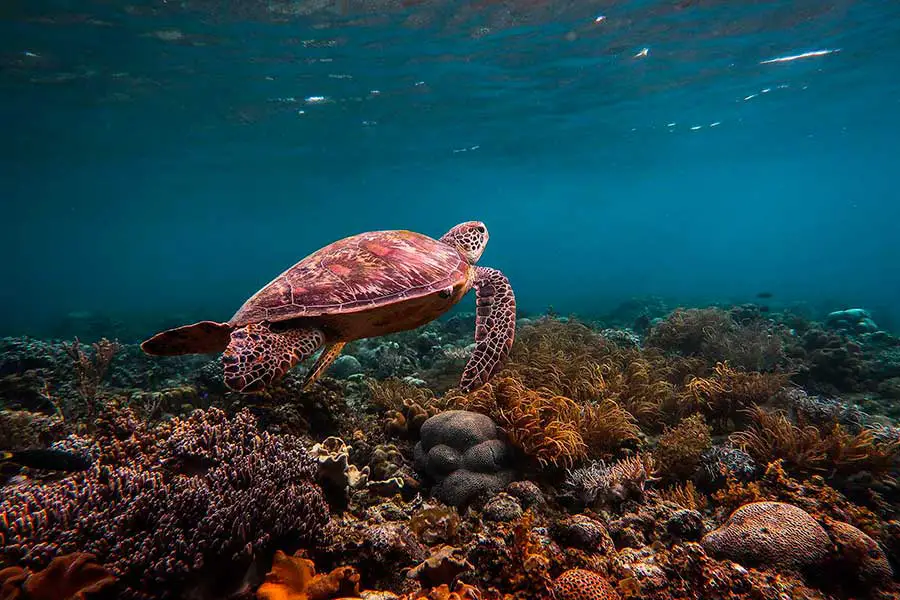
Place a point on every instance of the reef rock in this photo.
(852, 320)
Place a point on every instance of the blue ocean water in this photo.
(163, 160)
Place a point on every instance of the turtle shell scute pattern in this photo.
(356, 273)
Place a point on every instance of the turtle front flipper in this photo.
(495, 327)
(258, 356)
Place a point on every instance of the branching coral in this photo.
(605, 426)
(163, 506)
(640, 382)
(560, 356)
(685, 495)
(551, 428)
(806, 449)
(570, 359)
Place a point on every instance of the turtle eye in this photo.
(480, 229)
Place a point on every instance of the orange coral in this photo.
(559, 356)
(68, 577)
(605, 426)
(580, 584)
(529, 556)
(408, 405)
(726, 392)
(294, 578)
(807, 449)
(460, 591)
(860, 554)
(685, 495)
(812, 495)
(551, 428)
(541, 424)
(680, 448)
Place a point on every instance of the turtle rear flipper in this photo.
(258, 356)
(205, 337)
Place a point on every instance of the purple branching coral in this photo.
(171, 508)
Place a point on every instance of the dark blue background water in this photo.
(167, 159)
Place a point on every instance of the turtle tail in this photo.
(205, 337)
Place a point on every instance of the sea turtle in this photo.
(362, 286)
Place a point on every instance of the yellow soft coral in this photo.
(680, 448)
(807, 449)
(543, 425)
(727, 392)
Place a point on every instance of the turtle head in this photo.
(469, 238)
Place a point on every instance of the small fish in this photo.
(49, 459)
(764, 295)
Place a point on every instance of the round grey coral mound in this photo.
(459, 429)
(486, 457)
(444, 459)
(462, 453)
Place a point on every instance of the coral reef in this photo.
(714, 452)
(580, 584)
(808, 449)
(225, 494)
(294, 578)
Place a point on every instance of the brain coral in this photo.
(860, 555)
(770, 534)
(462, 452)
(579, 584)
